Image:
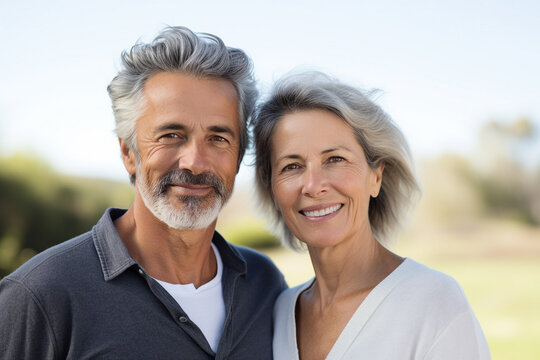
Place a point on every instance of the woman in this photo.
(335, 172)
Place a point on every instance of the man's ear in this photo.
(128, 157)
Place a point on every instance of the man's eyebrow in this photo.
(170, 126)
(222, 129)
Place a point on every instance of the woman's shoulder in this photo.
(431, 287)
(438, 308)
(420, 274)
(286, 301)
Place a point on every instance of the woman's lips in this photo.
(320, 212)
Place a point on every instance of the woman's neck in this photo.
(351, 267)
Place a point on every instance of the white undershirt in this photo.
(204, 305)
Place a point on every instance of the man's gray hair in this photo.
(179, 50)
(381, 139)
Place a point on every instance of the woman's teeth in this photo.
(323, 212)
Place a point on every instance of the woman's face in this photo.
(321, 182)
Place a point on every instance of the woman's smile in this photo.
(319, 213)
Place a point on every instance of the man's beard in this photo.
(198, 212)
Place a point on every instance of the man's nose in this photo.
(194, 157)
(314, 182)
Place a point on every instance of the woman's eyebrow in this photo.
(288, 156)
(335, 149)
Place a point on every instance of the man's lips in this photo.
(321, 211)
(191, 189)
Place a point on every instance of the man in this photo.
(156, 281)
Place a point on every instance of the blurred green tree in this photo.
(40, 208)
(507, 179)
(499, 181)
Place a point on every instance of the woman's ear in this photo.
(376, 180)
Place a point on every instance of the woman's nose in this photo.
(314, 182)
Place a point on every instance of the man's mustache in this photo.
(177, 176)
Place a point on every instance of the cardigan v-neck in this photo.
(414, 313)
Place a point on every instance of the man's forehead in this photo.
(176, 101)
(160, 83)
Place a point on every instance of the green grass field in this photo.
(505, 294)
(498, 266)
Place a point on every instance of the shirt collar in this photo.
(115, 258)
(230, 256)
(113, 254)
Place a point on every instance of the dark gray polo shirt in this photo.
(88, 298)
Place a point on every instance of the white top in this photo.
(204, 305)
(414, 313)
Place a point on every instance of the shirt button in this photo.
(183, 319)
(141, 271)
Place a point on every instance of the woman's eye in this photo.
(335, 159)
(290, 167)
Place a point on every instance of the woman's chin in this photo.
(320, 239)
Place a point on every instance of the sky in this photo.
(444, 68)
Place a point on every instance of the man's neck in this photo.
(170, 255)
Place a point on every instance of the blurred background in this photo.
(461, 78)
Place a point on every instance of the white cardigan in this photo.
(414, 313)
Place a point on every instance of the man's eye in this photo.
(219, 138)
(169, 138)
